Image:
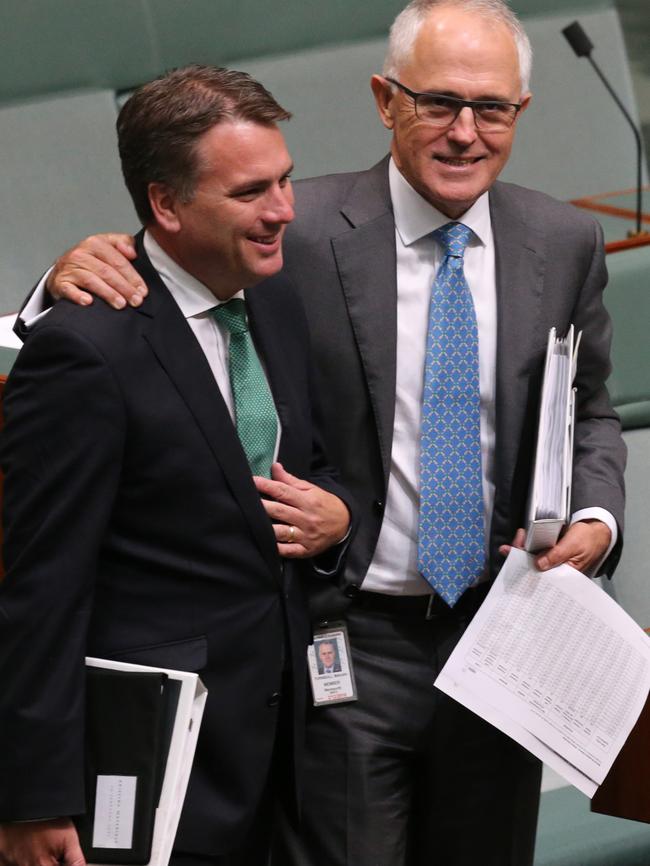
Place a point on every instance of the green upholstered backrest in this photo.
(60, 178)
(336, 128)
(68, 44)
(631, 584)
(627, 297)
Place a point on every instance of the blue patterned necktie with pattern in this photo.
(451, 553)
(255, 415)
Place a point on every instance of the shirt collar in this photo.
(191, 295)
(415, 217)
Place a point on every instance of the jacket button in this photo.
(352, 590)
(378, 505)
(274, 700)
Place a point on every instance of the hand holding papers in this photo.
(551, 486)
(557, 665)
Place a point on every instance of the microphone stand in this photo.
(582, 46)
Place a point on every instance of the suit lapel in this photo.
(178, 352)
(366, 261)
(520, 265)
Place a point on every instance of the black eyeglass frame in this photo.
(459, 104)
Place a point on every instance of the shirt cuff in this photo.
(329, 562)
(39, 304)
(605, 517)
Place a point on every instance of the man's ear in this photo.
(384, 99)
(525, 101)
(164, 205)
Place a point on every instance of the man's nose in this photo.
(463, 129)
(280, 205)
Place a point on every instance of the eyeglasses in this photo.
(441, 110)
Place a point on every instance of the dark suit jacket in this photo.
(340, 256)
(133, 531)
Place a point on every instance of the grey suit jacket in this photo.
(340, 256)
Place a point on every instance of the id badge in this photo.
(330, 666)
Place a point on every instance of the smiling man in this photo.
(454, 124)
(430, 288)
(135, 451)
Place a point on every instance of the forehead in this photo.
(240, 150)
(464, 52)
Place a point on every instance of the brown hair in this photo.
(159, 125)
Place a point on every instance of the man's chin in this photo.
(454, 198)
(267, 267)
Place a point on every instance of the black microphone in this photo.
(583, 46)
(578, 39)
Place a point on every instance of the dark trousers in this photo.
(406, 776)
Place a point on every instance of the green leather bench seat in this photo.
(627, 298)
(570, 835)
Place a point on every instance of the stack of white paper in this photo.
(552, 661)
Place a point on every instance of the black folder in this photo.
(129, 721)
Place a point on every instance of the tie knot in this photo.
(453, 237)
(232, 315)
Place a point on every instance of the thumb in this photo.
(562, 552)
(72, 854)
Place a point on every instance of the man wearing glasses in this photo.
(430, 289)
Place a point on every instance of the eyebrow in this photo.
(453, 95)
(263, 182)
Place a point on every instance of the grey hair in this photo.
(406, 27)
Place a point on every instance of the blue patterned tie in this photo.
(451, 550)
(255, 414)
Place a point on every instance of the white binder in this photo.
(550, 495)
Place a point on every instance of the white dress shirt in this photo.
(393, 569)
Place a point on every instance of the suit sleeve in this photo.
(600, 452)
(331, 562)
(60, 450)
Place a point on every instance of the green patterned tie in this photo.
(255, 414)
